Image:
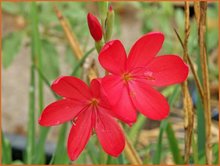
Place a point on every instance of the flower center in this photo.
(94, 102)
(127, 77)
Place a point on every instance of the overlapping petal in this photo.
(145, 49)
(113, 57)
(59, 112)
(71, 87)
(80, 134)
(148, 101)
(119, 98)
(109, 134)
(166, 70)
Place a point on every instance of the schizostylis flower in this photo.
(88, 109)
(131, 80)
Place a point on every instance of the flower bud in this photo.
(103, 9)
(94, 27)
(109, 23)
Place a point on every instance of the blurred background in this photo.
(132, 20)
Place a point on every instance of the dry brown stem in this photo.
(197, 11)
(131, 153)
(205, 77)
(187, 101)
(191, 65)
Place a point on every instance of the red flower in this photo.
(129, 84)
(88, 108)
(94, 27)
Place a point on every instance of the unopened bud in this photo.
(103, 9)
(94, 27)
(109, 23)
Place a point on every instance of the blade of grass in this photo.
(60, 156)
(6, 148)
(135, 130)
(173, 143)
(195, 149)
(92, 151)
(158, 152)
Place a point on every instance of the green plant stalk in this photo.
(135, 130)
(103, 9)
(195, 150)
(81, 61)
(30, 151)
(157, 155)
(173, 145)
(37, 52)
(6, 148)
(60, 148)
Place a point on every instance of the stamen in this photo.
(127, 77)
(94, 102)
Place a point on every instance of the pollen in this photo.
(94, 102)
(127, 77)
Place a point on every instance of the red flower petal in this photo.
(167, 70)
(94, 27)
(148, 101)
(109, 134)
(119, 98)
(79, 134)
(95, 88)
(113, 57)
(145, 49)
(60, 112)
(71, 87)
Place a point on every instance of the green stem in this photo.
(37, 52)
(31, 120)
(81, 61)
(6, 148)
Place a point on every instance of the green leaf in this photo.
(158, 152)
(11, 45)
(81, 61)
(50, 59)
(173, 143)
(135, 130)
(6, 148)
(60, 155)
